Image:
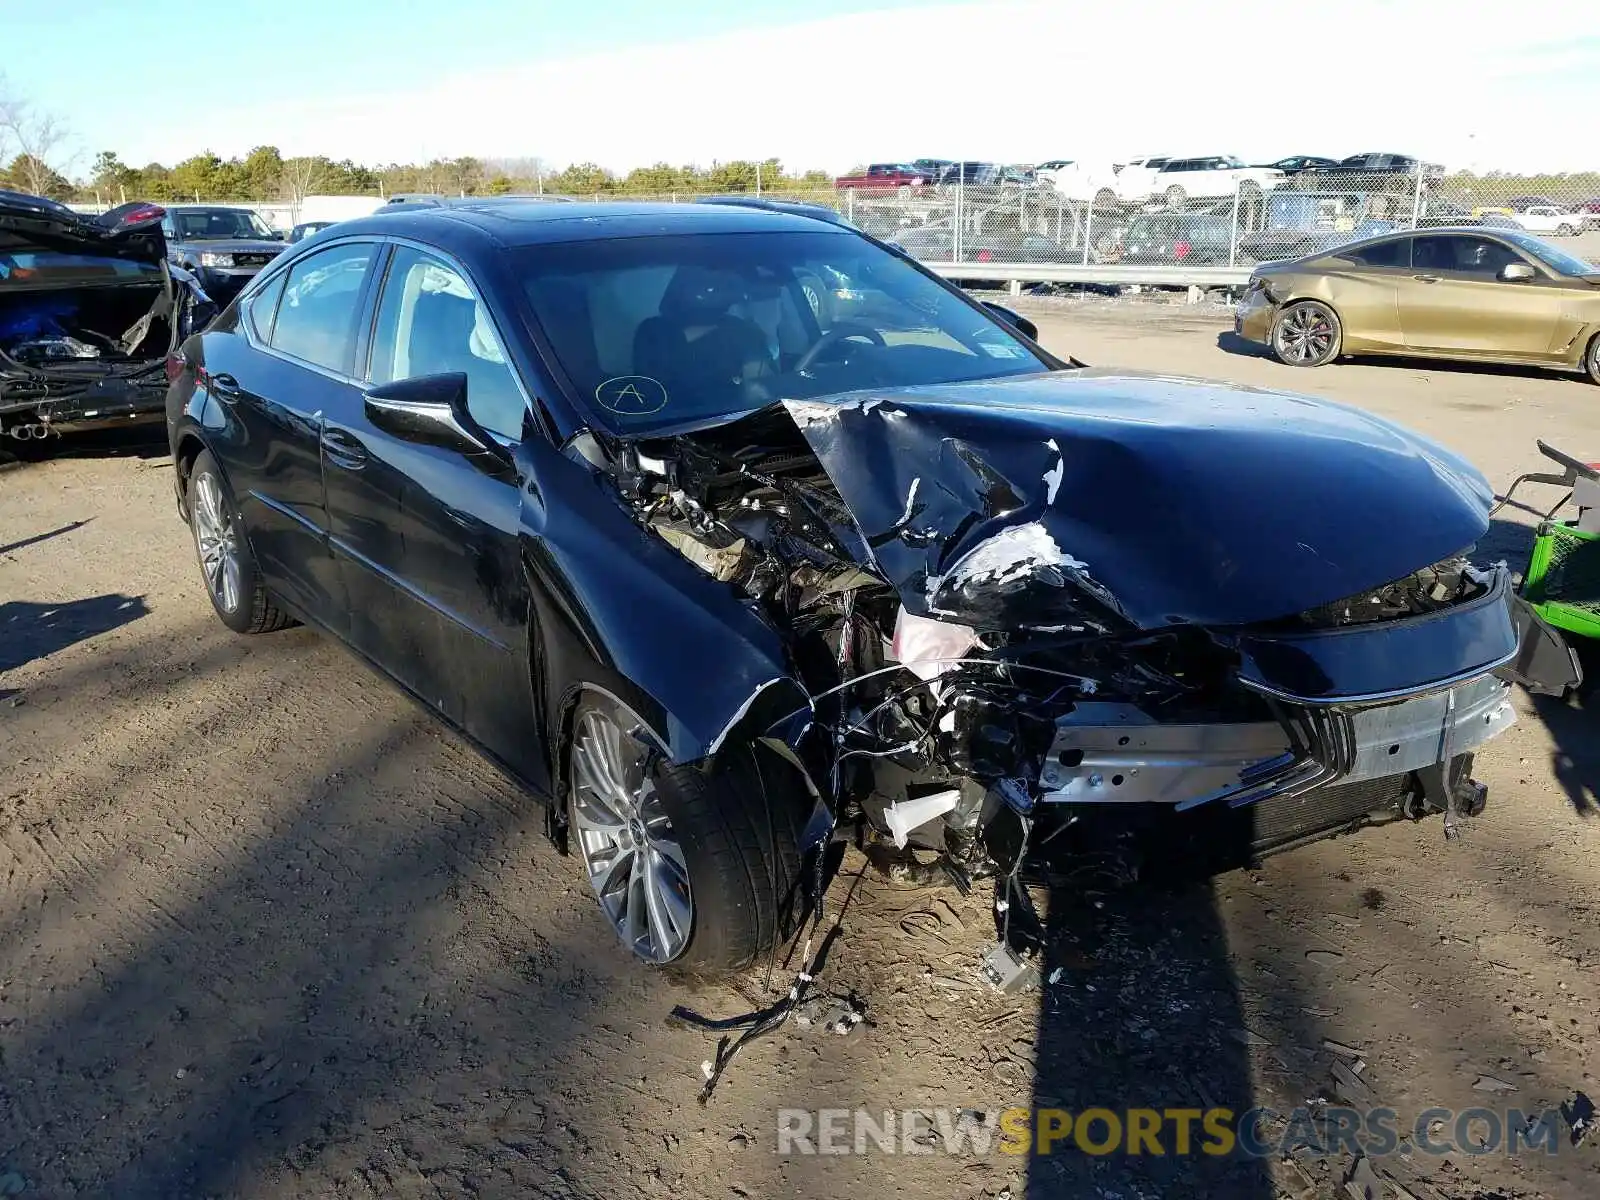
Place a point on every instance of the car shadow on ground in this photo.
(146, 440)
(1575, 728)
(1141, 1009)
(30, 630)
(1231, 343)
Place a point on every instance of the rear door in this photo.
(287, 359)
(428, 538)
(1455, 302)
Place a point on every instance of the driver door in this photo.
(1455, 301)
(428, 538)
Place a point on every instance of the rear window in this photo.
(21, 269)
(1382, 254)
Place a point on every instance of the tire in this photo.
(1306, 333)
(1176, 197)
(1591, 360)
(718, 851)
(1565, 231)
(226, 565)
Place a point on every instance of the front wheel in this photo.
(1306, 334)
(1176, 197)
(695, 867)
(232, 579)
(1591, 360)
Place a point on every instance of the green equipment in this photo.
(1562, 582)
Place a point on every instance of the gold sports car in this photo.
(1476, 294)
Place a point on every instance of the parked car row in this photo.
(1170, 179)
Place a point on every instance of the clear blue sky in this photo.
(109, 61)
(819, 83)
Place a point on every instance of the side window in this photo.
(316, 319)
(430, 322)
(1463, 254)
(262, 308)
(1384, 254)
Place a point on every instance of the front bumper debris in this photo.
(1118, 754)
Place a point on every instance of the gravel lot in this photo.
(266, 931)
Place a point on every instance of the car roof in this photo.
(181, 208)
(529, 222)
(1394, 235)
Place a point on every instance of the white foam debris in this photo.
(1007, 556)
(809, 412)
(1054, 476)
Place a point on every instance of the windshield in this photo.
(1557, 260)
(214, 224)
(662, 331)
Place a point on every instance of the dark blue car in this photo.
(722, 574)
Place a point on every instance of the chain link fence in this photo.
(1150, 214)
(1211, 217)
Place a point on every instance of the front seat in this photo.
(696, 348)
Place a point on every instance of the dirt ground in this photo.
(265, 931)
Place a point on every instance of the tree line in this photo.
(264, 174)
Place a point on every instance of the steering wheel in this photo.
(840, 332)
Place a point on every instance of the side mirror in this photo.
(431, 409)
(1016, 320)
(1517, 272)
(277, 235)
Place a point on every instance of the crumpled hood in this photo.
(1036, 501)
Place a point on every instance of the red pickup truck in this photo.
(884, 177)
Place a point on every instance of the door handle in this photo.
(1426, 278)
(225, 388)
(343, 449)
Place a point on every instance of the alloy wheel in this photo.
(626, 840)
(1306, 334)
(217, 543)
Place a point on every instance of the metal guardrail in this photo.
(1176, 275)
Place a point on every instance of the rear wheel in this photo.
(1176, 197)
(700, 868)
(232, 579)
(1306, 334)
(1566, 230)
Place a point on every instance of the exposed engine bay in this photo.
(977, 686)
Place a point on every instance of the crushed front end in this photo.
(1015, 614)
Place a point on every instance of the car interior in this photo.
(430, 323)
(719, 335)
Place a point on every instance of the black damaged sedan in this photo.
(731, 532)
